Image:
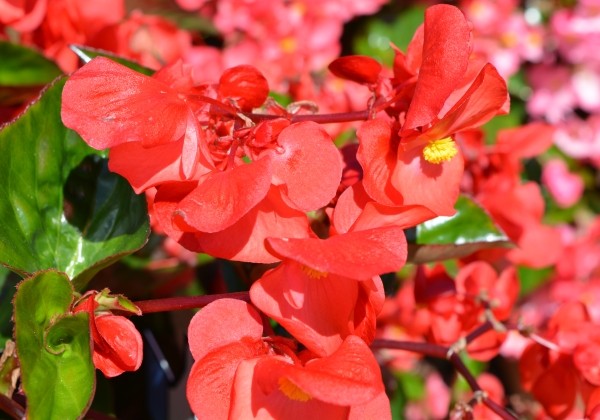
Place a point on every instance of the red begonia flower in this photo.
(316, 272)
(245, 85)
(393, 176)
(358, 68)
(125, 342)
(239, 374)
(328, 387)
(117, 344)
(479, 281)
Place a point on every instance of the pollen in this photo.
(292, 391)
(439, 151)
(312, 273)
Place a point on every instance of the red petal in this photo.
(220, 323)
(254, 400)
(245, 240)
(556, 389)
(377, 156)
(244, 84)
(125, 342)
(358, 68)
(356, 255)
(109, 104)
(309, 166)
(446, 50)
(482, 101)
(210, 382)
(225, 197)
(486, 346)
(349, 376)
(349, 206)
(435, 186)
(377, 215)
(146, 167)
(378, 408)
(527, 141)
(539, 246)
(317, 311)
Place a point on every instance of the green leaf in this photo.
(22, 66)
(469, 230)
(86, 54)
(375, 39)
(531, 279)
(55, 212)
(54, 348)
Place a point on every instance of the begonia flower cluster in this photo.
(237, 177)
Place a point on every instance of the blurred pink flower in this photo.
(553, 96)
(580, 139)
(565, 187)
(577, 32)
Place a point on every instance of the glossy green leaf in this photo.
(469, 230)
(22, 66)
(86, 54)
(54, 348)
(56, 211)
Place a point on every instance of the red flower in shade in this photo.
(416, 160)
(117, 344)
(565, 364)
(237, 373)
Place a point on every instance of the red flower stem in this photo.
(318, 118)
(442, 352)
(185, 302)
(498, 409)
(482, 329)
(426, 349)
(11, 407)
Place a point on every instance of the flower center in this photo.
(292, 391)
(439, 151)
(312, 273)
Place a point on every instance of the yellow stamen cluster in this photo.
(439, 151)
(312, 273)
(292, 391)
